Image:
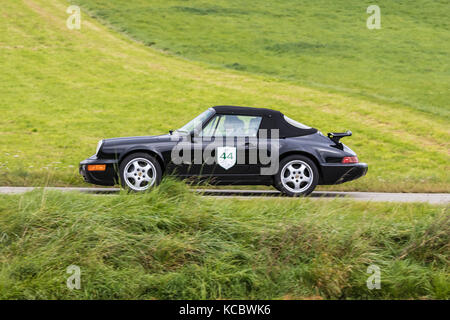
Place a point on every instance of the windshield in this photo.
(197, 122)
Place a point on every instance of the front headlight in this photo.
(99, 145)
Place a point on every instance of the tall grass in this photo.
(174, 244)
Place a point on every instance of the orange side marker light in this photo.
(96, 167)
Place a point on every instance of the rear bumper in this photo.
(102, 178)
(336, 173)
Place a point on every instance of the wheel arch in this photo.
(152, 153)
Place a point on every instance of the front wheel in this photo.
(297, 176)
(139, 172)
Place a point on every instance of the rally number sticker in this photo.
(226, 157)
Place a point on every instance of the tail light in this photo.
(350, 160)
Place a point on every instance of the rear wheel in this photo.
(139, 172)
(297, 176)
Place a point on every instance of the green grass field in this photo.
(139, 69)
(62, 90)
(321, 43)
(173, 244)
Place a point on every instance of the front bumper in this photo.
(102, 178)
(336, 173)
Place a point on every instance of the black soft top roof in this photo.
(272, 119)
(245, 111)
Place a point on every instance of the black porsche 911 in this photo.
(228, 145)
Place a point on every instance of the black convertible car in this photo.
(232, 146)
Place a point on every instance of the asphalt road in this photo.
(434, 198)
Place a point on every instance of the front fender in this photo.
(141, 148)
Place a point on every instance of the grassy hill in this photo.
(173, 244)
(62, 90)
(322, 43)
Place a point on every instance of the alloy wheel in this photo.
(296, 176)
(139, 174)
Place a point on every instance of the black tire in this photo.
(277, 187)
(306, 186)
(138, 160)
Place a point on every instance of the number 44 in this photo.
(229, 156)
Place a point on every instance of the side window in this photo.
(208, 131)
(296, 123)
(253, 126)
(239, 126)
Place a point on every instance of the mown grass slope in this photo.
(321, 43)
(173, 244)
(62, 90)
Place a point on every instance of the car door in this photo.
(227, 142)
